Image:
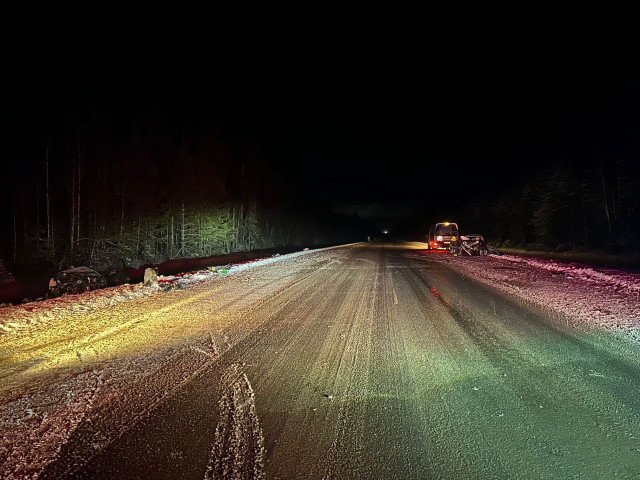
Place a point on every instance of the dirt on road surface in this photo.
(369, 361)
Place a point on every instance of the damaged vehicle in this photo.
(472, 244)
(77, 280)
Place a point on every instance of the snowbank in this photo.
(28, 315)
(589, 296)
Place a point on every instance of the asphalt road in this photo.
(373, 362)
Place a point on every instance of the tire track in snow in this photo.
(98, 429)
(181, 366)
(238, 450)
(351, 374)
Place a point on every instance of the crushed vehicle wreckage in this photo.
(76, 280)
(472, 244)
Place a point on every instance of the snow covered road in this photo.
(379, 361)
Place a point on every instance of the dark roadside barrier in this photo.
(182, 265)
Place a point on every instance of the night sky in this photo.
(384, 126)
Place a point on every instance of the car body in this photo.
(78, 280)
(442, 235)
(471, 244)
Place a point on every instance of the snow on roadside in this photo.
(27, 315)
(612, 277)
(266, 261)
(20, 317)
(590, 296)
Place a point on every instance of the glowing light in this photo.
(446, 224)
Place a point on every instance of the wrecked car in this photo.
(78, 280)
(472, 244)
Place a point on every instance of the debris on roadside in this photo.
(150, 278)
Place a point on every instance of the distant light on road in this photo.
(385, 231)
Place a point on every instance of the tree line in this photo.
(89, 192)
(593, 204)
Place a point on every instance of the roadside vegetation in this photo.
(589, 212)
(89, 193)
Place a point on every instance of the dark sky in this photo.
(382, 120)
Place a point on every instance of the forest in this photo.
(100, 191)
(590, 204)
(107, 190)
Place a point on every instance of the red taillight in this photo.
(434, 244)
